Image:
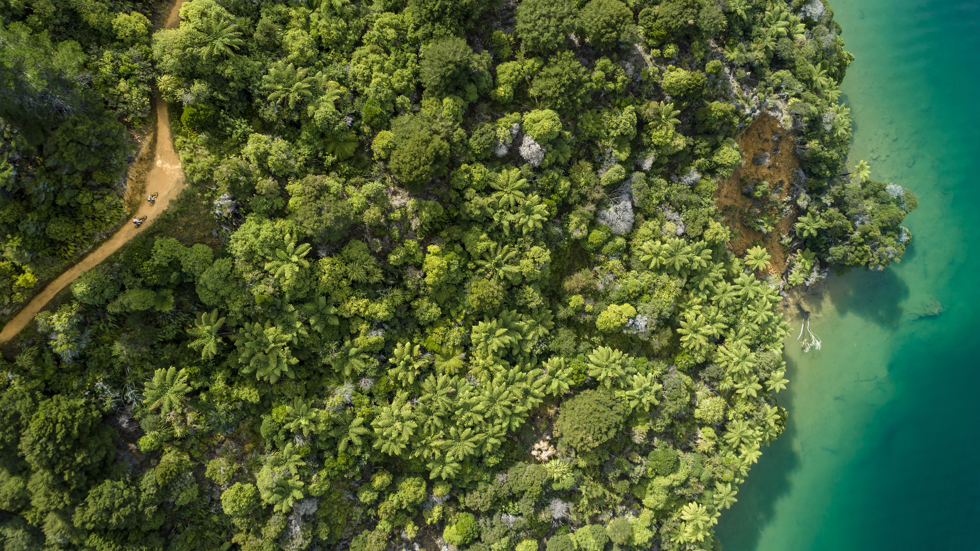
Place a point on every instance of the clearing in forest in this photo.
(760, 216)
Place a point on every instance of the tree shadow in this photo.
(874, 296)
(740, 528)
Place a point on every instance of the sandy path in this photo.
(165, 178)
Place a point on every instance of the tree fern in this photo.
(205, 333)
(167, 389)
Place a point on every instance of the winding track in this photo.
(165, 178)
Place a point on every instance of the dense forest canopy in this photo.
(69, 74)
(473, 286)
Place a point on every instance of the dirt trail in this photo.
(165, 178)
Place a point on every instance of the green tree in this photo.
(240, 500)
(494, 338)
(300, 417)
(591, 537)
(862, 171)
(510, 189)
(724, 496)
(421, 150)
(440, 18)
(739, 9)
(620, 531)
(670, 18)
(407, 363)
(614, 318)
(683, 84)
(544, 25)
(531, 216)
(697, 523)
(112, 505)
(663, 462)
(132, 28)
(710, 410)
(606, 22)
(460, 444)
(810, 225)
(94, 287)
(739, 432)
(560, 542)
(66, 445)
(498, 264)
(486, 296)
(351, 436)
(543, 125)
(450, 67)
(661, 118)
(279, 480)
(319, 207)
(463, 531)
(776, 382)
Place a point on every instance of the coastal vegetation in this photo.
(473, 286)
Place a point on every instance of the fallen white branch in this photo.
(812, 341)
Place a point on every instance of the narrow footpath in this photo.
(165, 178)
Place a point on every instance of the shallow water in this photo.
(880, 451)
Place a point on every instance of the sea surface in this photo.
(882, 451)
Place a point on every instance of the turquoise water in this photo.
(881, 452)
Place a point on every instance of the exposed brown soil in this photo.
(139, 169)
(763, 137)
(164, 177)
(173, 19)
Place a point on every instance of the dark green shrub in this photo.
(591, 538)
(620, 531)
(240, 500)
(562, 542)
(544, 25)
(94, 288)
(463, 532)
(663, 462)
(604, 22)
(449, 67)
(589, 420)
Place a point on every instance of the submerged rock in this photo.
(930, 309)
